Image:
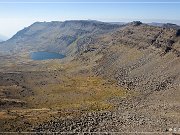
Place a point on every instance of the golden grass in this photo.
(80, 92)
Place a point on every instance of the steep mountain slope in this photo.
(54, 36)
(138, 56)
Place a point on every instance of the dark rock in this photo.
(178, 33)
(136, 23)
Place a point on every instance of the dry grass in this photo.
(78, 92)
(5, 115)
(73, 96)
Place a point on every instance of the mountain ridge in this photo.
(57, 35)
(62, 37)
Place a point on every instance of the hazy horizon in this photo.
(17, 15)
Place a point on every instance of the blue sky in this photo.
(15, 16)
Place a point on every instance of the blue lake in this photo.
(46, 55)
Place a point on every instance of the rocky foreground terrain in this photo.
(116, 79)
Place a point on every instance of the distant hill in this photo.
(171, 25)
(165, 25)
(61, 37)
